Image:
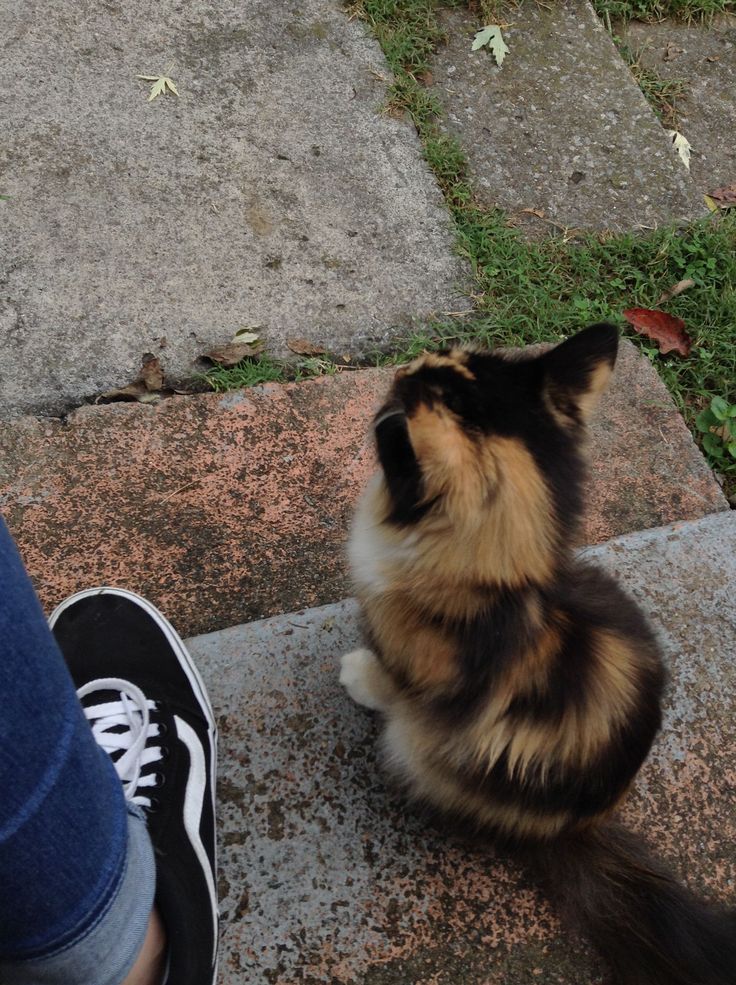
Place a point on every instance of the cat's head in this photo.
(488, 446)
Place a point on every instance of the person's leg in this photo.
(77, 866)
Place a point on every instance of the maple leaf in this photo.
(492, 37)
(160, 84)
(681, 145)
(666, 330)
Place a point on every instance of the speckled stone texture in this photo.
(328, 877)
(561, 126)
(223, 509)
(704, 58)
(271, 193)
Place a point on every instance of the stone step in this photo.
(328, 877)
(228, 508)
(271, 193)
(561, 127)
(704, 59)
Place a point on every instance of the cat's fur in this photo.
(521, 688)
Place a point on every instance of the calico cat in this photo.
(521, 688)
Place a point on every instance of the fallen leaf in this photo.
(134, 391)
(678, 288)
(713, 206)
(246, 335)
(666, 330)
(303, 347)
(426, 78)
(492, 37)
(4, 198)
(146, 389)
(234, 352)
(152, 376)
(725, 197)
(712, 58)
(671, 51)
(681, 145)
(160, 84)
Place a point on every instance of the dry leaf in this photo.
(426, 78)
(713, 58)
(681, 145)
(725, 197)
(666, 330)
(146, 389)
(303, 347)
(492, 37)
(152, 376)
(678, 288)
(671, 52)
(160, 84)
(246, 335)
(234, 352)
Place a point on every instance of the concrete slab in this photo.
(327, 877)
(223, 509)
(705, 59)
(561, 126)
(271, 193)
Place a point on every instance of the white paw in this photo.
(357, 669)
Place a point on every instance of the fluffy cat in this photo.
(521, 688)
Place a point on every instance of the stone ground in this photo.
(230, 508)
(559, 127)
(273, 193)
(327, 876)
(706, 62)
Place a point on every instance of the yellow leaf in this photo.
(160, 84)
(712, 205)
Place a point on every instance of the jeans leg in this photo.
(64, 825)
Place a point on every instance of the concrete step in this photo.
(223, 509)
(704, 58)
(270, 193)
(328, 877)
(561, 126)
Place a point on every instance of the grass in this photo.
(656, 10)
(526, 292)
(662, 94)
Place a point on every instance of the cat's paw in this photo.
(359, 671)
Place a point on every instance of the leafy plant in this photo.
(717, 424)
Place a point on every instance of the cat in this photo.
(521, 687)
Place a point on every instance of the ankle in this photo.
(150, 965)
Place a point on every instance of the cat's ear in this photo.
(401, 468)
(576, 372)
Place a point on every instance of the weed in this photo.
(661, 94)
(657, 10)
(717, 424)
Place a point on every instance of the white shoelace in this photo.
(125, 726)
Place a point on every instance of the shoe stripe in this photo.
(193, 804)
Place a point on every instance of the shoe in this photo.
(149, 710)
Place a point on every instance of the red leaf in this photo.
(726, 196)
(668, 331)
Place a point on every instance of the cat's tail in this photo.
(648, 926)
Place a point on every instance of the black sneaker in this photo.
(149, 710)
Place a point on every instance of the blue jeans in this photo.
(77, 875)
